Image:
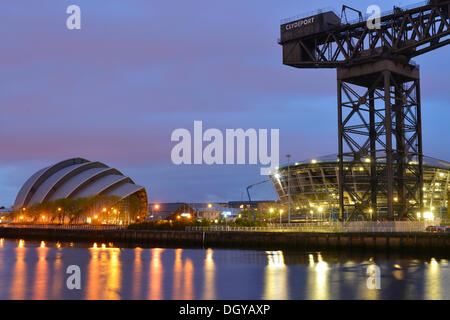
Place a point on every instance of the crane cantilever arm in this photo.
(403, 34)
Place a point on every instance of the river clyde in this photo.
(37, 270)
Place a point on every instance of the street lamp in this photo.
(281, 212)
(155, 207)
(59, 209)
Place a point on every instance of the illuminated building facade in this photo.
(80, 178)
(315, 193)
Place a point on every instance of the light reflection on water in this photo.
(37, 270)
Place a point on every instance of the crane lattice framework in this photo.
(379, 111)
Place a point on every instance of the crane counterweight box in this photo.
(309, 26)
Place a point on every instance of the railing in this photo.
(353, 226)
(63, 227)
(365, 16)
(308, 14)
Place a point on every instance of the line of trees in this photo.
(76, 211)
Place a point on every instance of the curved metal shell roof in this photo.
(76, 178)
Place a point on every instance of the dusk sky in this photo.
(138, 69)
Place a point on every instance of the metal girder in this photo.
(379, 123)
(403, 35)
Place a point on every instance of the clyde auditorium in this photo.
(78, 178)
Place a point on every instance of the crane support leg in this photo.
(379, 122)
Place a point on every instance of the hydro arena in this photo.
(314, 190)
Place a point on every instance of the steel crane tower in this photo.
(378, 90)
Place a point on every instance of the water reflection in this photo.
(317, 281)
(104, 272)
(37, 270)
(276, 277)
(137, 280)
(188, 280)
(156, 274)
(177, 275)
(41, 273)
(433, 281)
(18, 288)
(209, 270)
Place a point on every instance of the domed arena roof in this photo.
(333, 158)
(77, 178)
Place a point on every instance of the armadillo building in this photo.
(79, 178)
(314, 189)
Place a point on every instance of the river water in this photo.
(37, 270)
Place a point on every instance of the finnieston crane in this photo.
(378, 89)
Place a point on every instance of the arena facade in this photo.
(315, 191)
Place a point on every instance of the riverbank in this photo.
(420, 242)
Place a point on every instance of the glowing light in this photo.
(271, 210)
(277, 175)
(428, 215)
(395, 199)
(209, 205)
(89, 220)
(320, 209)
(313, 161)
(156, 206)
(59, 209)
(21, 217)
(104, 209)
(95, 217)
